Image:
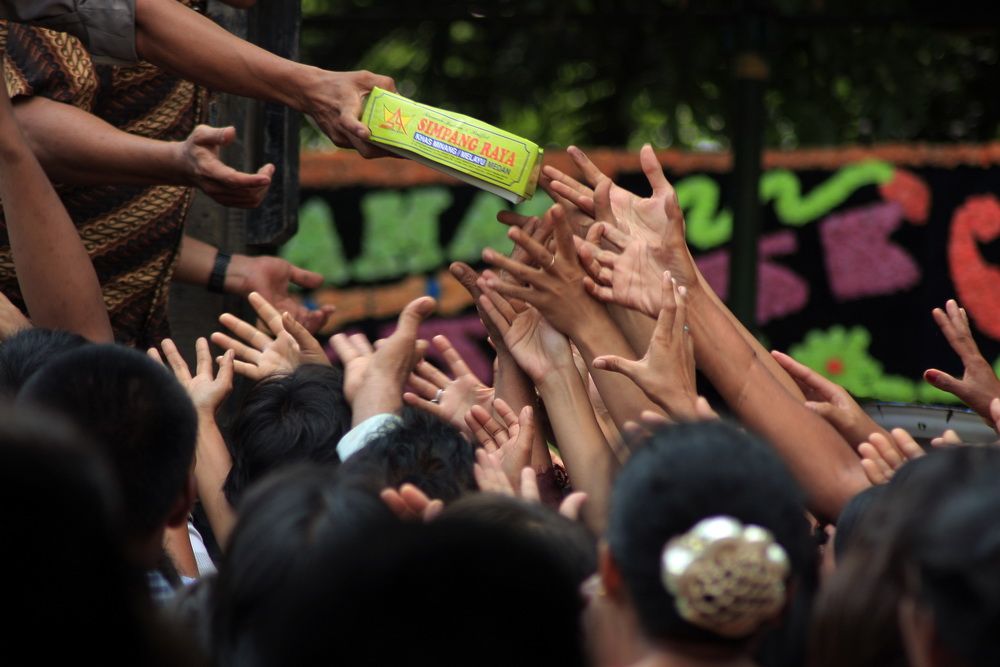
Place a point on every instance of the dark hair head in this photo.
(285, 419)
(283, 520)
(434, 593)
(950, 561)
(139, 415)
(685, 474)
(568, 540)
(26, 351)
(854, 515)
(68, 578)
(421, 450)
(934, 518)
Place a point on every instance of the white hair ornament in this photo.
(725, 577)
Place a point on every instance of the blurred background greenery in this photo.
(620, 73)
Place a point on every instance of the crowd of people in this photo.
(366, 507)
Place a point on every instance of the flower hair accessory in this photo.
(725, 577)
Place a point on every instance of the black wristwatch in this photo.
(217, 279)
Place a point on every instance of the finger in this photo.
(266, 312)
(343, 348)
(554, 174)
(535, 250)
(246, 331)
(602, 202)
(423, 387)
(529, 485)
(505, 307)
(413, 314)
(704, 409)
(509, 290)
(519, 270)
(415, 498)
(943, 381)
(467, 277)
(225, 376)
(567, 196)
(887, 450)
(301, 333)
(807, 379)
(872, 471)
(615, 236)
(494, 315)
(497, 432)
(506, 413)
(451, 356)
(479, 432)
(563, 234)
(432, 374)
(654, 171)
(304, 278)
(361, 343)
(906, 444)
(616, 364)
(247, 370)
(396, 504)
(572, 504)
(154, 354)
(203, 357)
(591, 174)
(243, 352)
(515, 219)
(176, 361)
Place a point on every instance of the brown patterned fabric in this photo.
(133, 233)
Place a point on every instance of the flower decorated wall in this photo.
(857, 246)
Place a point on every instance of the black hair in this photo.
(568, 540)
(928, 516)
(852, 516)
(687, 473)
(67, 574)
(952, 565)
(300, 416)
(282, 520)
(436, 594)
(140, 416)
(420, 449)
(26, 351)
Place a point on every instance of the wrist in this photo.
(236, 278)
(178, 168)
(309, 91)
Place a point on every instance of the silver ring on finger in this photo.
(437, 396)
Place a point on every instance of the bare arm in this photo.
(78, 148)
(56, 276)
(183, 41)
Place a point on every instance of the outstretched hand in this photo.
(374, 379)
(261, 355)
(666, 374)
(831, 402)
(207, 391)
(447, 398)
(979, 384)
(271, 277)
(552, 281)
(199, 154)
(882, 456)
(536, 346)
(411, 504)
(491, 478)
(511, 440)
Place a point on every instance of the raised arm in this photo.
(56, 276)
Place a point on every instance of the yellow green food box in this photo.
(479, 154)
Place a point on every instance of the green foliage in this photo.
(597, 72)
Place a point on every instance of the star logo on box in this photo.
(394, 120)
